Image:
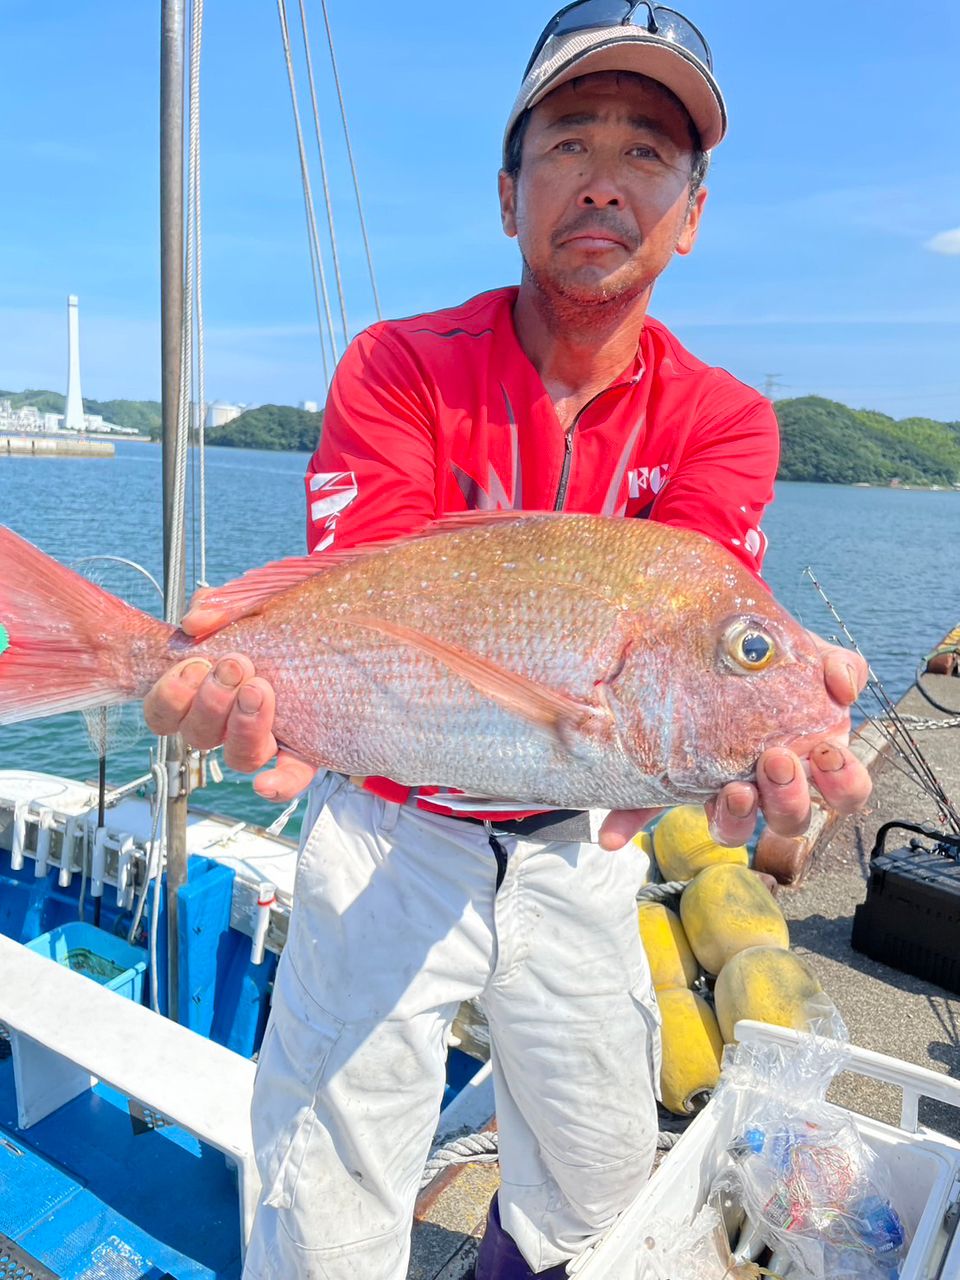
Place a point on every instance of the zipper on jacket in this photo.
(568, 446)
(565, 469)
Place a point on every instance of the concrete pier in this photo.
(55, 446)
(884, 1009)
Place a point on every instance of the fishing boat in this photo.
(139, 935)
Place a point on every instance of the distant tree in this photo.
(828, 442)
(271, 426)
(141, 415)
(45, 401)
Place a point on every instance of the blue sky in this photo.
(829, 254)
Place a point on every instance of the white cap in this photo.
(625, 48)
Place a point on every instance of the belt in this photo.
(558, 824)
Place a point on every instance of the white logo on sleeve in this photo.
(754, 543)
(647, 479)
(331, 492)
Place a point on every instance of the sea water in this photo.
(889, 559)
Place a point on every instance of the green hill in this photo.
(142, 415)
(821, 440)
(825, 441)
(272, 426)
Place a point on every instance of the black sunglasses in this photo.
(660, 21)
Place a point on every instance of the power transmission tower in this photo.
(770, 384)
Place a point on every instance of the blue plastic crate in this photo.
(99, 955)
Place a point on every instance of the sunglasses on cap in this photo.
(654, 18)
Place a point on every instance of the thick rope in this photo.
(484, 1148)
(176, 567)
(665, 892)
(474, 1148)
(277, 825)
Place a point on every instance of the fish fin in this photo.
(477, 519)
(58, 637)
(248, 594)
(555, 712)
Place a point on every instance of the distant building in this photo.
(27, 418)
(73, 412)
(220, 412)
(309, 405)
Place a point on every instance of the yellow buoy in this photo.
(683, 845)
(643, 840)
(672, 963)
(768, 984)
(726, 909)
(691, 1050)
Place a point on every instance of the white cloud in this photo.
(947, 242)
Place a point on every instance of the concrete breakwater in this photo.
(53, 446)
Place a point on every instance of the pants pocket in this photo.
(296, 1047)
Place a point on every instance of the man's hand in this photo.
(229, 704)
(782, 789)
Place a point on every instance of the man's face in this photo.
(602, 199)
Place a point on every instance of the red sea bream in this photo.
(567, 660)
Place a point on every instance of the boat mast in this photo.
(172, 52)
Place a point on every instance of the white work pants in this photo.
(397, 920)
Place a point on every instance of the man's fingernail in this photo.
(740, 806)
(195, 672)
(228, 673)
(249, 699)
(827, 758)
(853, 679)
(780, 769)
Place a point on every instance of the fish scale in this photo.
(566, 660)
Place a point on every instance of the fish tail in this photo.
(65, 643)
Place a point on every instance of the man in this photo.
(562, 394)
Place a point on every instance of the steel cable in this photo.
(353, 167)
(323, 173)
(316, 259)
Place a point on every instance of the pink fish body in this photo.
(566, 660)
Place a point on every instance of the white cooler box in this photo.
(924, 1170)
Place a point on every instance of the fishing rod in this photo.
(891, 725)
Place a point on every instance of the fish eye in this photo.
(749, 647)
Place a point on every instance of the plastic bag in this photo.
(812, 1189)
(700, 1251)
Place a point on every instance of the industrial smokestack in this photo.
(73, 413)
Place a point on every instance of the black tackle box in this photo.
(911, 917)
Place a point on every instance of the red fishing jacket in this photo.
(445, 413)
